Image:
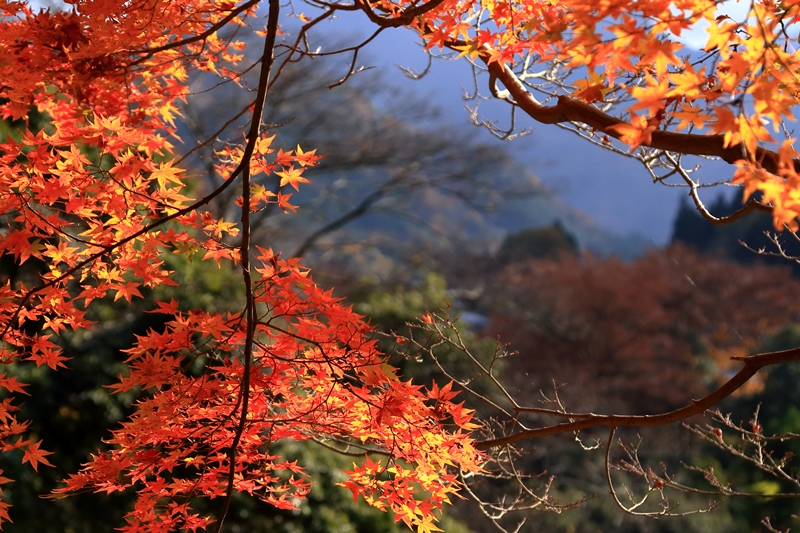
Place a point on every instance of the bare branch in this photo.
(752, 364)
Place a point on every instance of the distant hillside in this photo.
(429, 219)
(397, 184)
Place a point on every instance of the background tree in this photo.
(397, 163)
(605, 335)
(751, 239)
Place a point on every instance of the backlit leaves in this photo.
(743, 82)
(94, 199)
(91, 204)
(316, 372)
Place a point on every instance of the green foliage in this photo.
(392, 312)
(778, 414)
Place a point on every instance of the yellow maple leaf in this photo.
(292, 176)
(592, 89)
(166, 173)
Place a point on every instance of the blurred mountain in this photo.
(434, 219)
(397, 183)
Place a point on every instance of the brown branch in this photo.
(404, 19)
(751, 205)
(336, 5)
(108, 248)
(571, 110)
(250, 310)
(752, 364)
(200, 36)
(359, 210)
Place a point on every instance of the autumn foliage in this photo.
(313, 371)
(94, 193)
(626, 335)
(92, 201)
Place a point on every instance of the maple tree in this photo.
(94, 197)
(294, 363)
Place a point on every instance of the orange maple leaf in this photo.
(637, 132)
(34, 455)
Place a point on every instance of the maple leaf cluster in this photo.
(733, 99)
(93, 199)
(315, 373)
(94, 193)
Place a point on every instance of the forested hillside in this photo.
(749, 240)
(411, 186)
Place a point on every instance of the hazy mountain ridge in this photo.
(431, 219)
(453, 224)
(396, 178)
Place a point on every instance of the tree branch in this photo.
(200, 36)
(405, 17)
(571, 110)
(250, 309)
(752, 364)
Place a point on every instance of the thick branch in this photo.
(405, 18)
(752, 364)
(252, 136)
(570, 110)
(751, 205)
